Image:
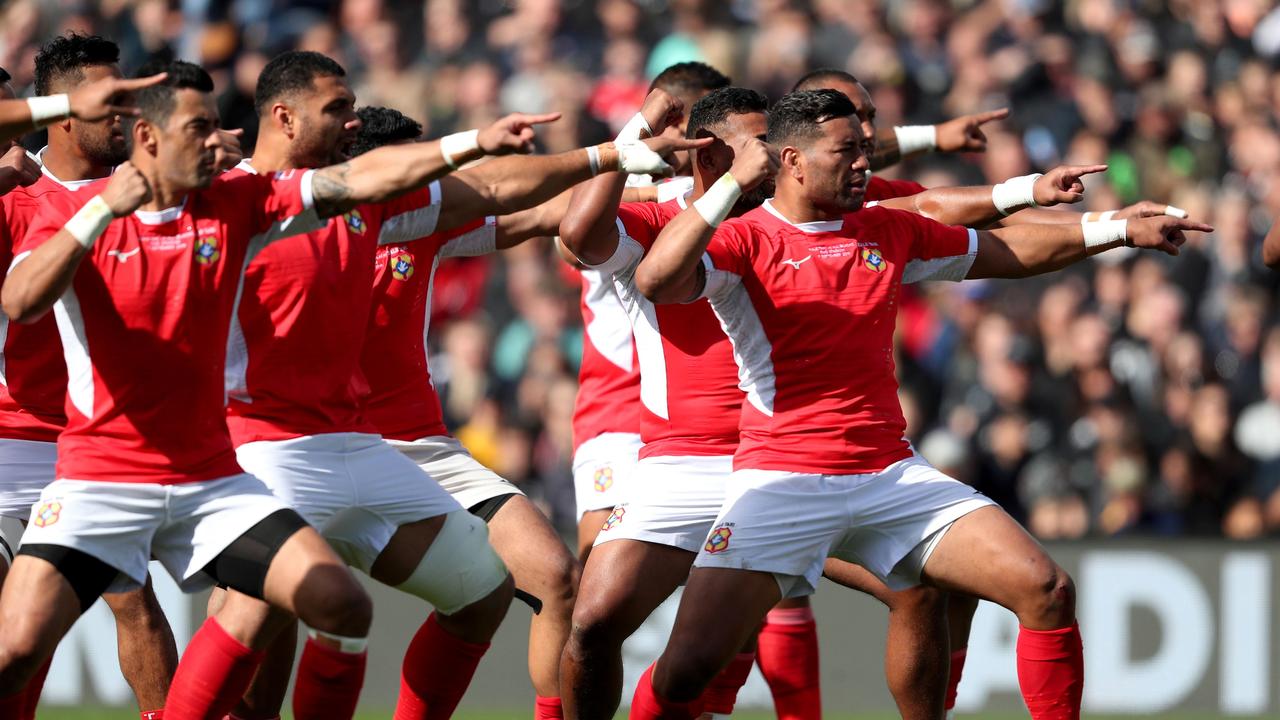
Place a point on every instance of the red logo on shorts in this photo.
(718, 540)
(603, 479)
(47, 514)
(614, 519)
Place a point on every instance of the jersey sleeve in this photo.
(410, 216)
(283, 202)
(55, 210)
(938, 252)
(638, 227)
(728, 257)
(479, 237)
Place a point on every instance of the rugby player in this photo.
(35, 376)
(807, 290)
(92, 102)
(142, 272)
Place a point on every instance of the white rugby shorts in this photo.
(673, 500)
(353, 487)
(787, 523)
(450, 464)
(184, 526)
(602, 469)
(26, 467)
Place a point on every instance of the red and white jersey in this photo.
(609, 376)
(811, 310)
(399, 397)
(33, 375)
(297, 334)
(688, 379)
(144, 326)
(880, 189)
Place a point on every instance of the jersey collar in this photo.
(68, 184)
(818, 226)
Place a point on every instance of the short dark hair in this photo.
(64, 58)
(798, 115)
(714, 108)
(690, 78)
(4, 76)
(156, 103)
(290, 72)
(382, 126)
(818, 79)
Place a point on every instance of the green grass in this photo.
(117, 714)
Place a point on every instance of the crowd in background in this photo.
(1132, 394)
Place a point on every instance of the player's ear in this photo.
(143, 135)
(793, 162)
(283, 118)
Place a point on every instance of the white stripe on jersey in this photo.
(953, 268)
(751, 348)
(75, 348)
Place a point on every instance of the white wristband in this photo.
(1097, 216)
(916, 138)
(49, 109)
(1175, 212)
(636, 128)
(458, 144)
(1015, 194)
(718, 201)
(1104, 234)
(90, 221)
(593, 159)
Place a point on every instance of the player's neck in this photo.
(272, 154)
(67, 165)
(163, 195)
(793, 206)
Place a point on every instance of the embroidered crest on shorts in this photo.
(603, 479)
(614, 518)
(718, 540)
(47, 514)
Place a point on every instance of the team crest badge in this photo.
(603, 479)
(614, 519)
(718, 540)
(402, 266)
(207, 251)
(355, 222)
(47, 514)
(873, 259)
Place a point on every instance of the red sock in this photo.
(788, 657)
(329, 682)
(1051, 672)
(547, 708)
(648, 705)
(14, 705)
(436, 672)
(151, 714)
(722, 692)
(32, 691)
(212, 676)
(953, 680)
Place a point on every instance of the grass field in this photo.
(115, 714)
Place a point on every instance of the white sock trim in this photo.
(353, 646)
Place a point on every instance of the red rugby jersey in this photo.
(144, 326)
(880, 189)
(297, 334)
(811, 310)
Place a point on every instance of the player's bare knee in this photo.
(342, 609)
(1054, 600)
(687, 674)
(562, 582)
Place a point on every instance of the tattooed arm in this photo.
(388, 172)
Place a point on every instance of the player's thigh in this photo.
(39, 604)
(719, 612)
(307, 579)
(539, 561)
(989, 555)
(623, 582)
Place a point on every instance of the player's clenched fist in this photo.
(1062, 184)
(108, 97)
(126, 191)
(753, 163)
(17, 168)
(228, 152)
(1162, 233)
(512, 134)
(661, 110)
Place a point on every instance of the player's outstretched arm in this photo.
(671, 272)
(1026, 250)
(962, 134)
(1144, 208)
(509, 185)
(95, 101)
(589, 230)
(388, 172)
(982, 205)
(37, 281)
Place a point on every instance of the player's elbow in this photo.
(17, 304)
(657, 286)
